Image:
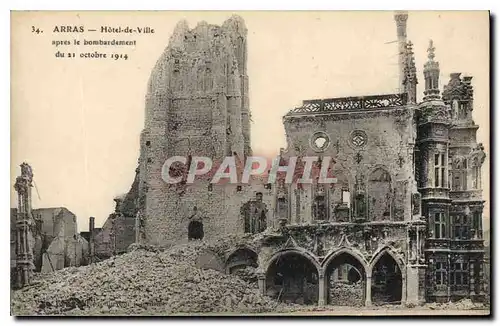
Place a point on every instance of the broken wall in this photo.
(65, 251)
(115, 236)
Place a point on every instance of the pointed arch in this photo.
(388, 277)
(355, 294)
(287, 251)
(392, 252)
(347, 251)
(380, 173)
(292, 275)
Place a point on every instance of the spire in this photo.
(401, 18)
(410, 74)
(430, 51)
(431, 74)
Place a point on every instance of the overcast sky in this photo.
(77, 121)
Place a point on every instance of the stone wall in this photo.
(115, 236)
(387, 137)
(219, 208)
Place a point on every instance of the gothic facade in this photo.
(403, 220)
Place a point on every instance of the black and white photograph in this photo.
(250, 163)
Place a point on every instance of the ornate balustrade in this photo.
(351, 104)
(432, 243)
(466, 195)
(466, 245)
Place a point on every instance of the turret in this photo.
(431, 74)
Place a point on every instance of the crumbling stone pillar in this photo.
(261, 280)
(322, 289)
(368, 298)
(403, 288)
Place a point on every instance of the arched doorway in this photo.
(195, 230)
(293, 278)
(345, 292)
(243, 263)
(387, 281)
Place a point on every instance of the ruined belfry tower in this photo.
(196, 105)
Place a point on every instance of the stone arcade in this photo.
(403, 224)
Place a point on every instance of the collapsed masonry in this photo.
(404, 224)
(176, 282)
(404, 220)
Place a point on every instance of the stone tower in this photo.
(466, 158)
(433, 127)
(449, 184)
(196, 105)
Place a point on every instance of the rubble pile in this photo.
(146, 280)
(464, 304)
(346, 294)
(248, 274)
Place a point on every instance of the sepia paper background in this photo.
(77, 121)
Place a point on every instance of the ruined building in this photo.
(403, 223)
(44, 239)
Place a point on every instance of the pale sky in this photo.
(77, 121)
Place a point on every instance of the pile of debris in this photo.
(146, 280)
(346, 294)
(248, 274)
(464, 304)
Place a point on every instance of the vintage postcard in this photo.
(250, 163)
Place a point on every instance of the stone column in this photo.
(322, 289)
(368, 298)
(91, 240)
(261, 280)
(403, 288)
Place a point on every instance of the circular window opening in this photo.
(320, 141)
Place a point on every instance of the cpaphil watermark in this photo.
(305, 170)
